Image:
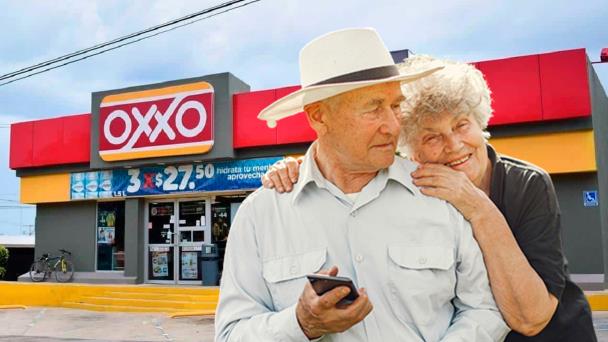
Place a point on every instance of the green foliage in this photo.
(3, 261)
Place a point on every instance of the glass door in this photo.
(111, 236)
(161, 242)
(194, 231)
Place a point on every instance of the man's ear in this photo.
(316, 117)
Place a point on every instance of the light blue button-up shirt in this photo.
(415, 255)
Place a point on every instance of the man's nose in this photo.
(391, 123)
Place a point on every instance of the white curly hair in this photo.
(458, 88)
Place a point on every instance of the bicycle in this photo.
(63, 268)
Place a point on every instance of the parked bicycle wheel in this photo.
(64, 271)
(38, 270)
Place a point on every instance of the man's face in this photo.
(454, 141)
(362, 126)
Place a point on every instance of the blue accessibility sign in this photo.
(590, 198)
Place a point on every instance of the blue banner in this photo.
(159, 180)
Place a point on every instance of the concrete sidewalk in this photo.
(58, 324)
(70, 325)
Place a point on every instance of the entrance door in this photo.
(177, 231)
(161, 242)
(194, 231)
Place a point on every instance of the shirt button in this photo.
(354, 213)
(293, 269)
(422, 260)
(359, 258)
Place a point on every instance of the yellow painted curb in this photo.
(120, 298)
(13, 307)
(598, 301)
(192, 313)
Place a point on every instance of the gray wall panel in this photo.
(48, 170)
(132, 222)
(134, 238)
(581, 229)
(69, 226)
(541, 127)
(141, 243)
(599, 109)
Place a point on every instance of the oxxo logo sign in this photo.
(169, 121)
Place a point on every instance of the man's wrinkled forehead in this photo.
(377, 100)
(375, 94)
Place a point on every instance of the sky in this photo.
(258, 43)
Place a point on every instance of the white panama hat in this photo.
(335, 63)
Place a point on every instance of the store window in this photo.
(220, 222)
(223, 211)
(161, 241)
(111, 236)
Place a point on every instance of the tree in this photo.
(3, 261)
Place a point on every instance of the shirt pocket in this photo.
(285, 276)
(422, 280)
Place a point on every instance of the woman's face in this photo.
(454, 141)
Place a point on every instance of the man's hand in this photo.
(318, 315)
(282, 174)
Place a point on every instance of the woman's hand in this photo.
(282, 174)
(440, 181)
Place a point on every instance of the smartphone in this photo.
(323, 283)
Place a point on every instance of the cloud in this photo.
(470, 29)
(259, 43)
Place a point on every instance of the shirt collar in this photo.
(310, 173)
(400, 171)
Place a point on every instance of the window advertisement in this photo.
(160, 261)
(87, 185)
(189, 268)
(159, 180)
(110, 236)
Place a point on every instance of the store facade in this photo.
(150, 180)
(158, 187)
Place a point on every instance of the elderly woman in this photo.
(511, 204)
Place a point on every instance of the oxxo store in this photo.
(160, 188)
(141, 186)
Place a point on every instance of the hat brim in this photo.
(294, 103)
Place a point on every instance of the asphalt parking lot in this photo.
(58, 325)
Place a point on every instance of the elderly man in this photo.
(419, 271)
